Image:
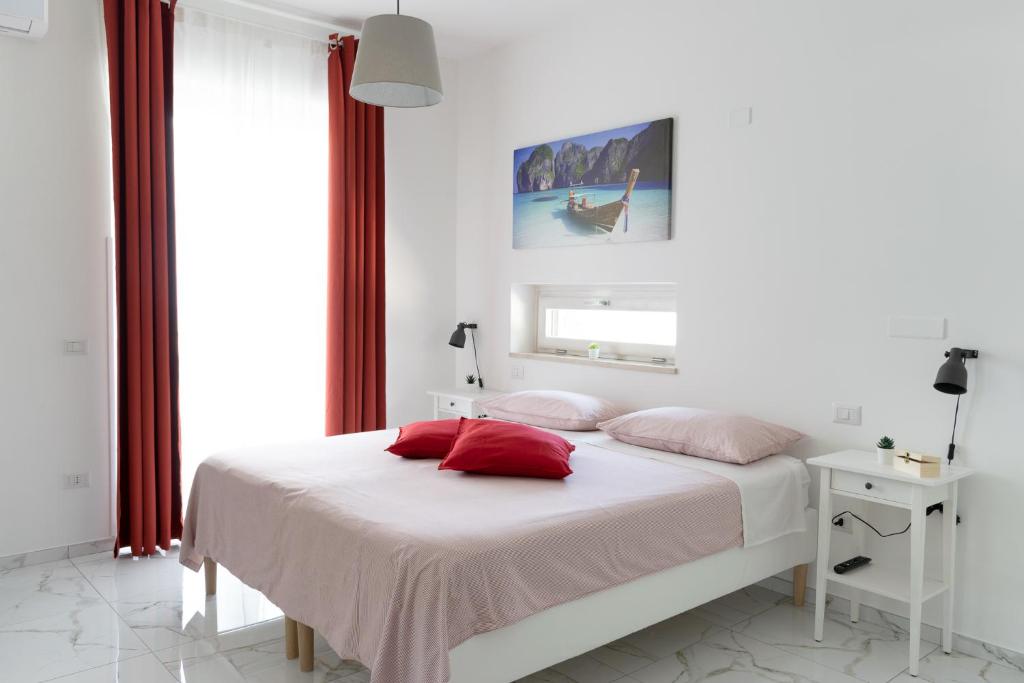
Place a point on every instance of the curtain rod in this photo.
(263, 9)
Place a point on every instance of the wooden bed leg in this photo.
(799, 584)
(210, 567)
(305, 634)
(291, 638)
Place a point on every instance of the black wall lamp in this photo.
(952, 379)
(458, 340)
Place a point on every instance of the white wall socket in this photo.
(845, 414)
(77, 480)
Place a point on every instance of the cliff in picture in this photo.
(608, 187)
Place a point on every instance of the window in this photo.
(634, 322)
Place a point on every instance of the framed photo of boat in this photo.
(614, 186)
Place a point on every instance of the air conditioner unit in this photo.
(24, 18)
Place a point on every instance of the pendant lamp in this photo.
(396, 65)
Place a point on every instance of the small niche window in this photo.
(635, 322)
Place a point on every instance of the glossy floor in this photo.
(98, 620)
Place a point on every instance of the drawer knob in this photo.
(868, 486)
(452, 404)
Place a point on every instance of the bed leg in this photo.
(291, 638)
(799, 584)
(305, 637)
(210, 568)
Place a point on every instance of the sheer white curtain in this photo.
(250, 135)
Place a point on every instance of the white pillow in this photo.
(552, 409)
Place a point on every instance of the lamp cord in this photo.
(956, 413)
(868, 524)
(476, 362)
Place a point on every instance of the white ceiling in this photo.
(461, 27)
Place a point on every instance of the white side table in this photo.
(857, 475)
(455, 403)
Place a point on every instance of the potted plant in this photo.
(593, 350)
(471, 379)
(884, 450)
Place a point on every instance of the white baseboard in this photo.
(61, 552)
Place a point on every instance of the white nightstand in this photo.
(453, 403)
(857, 475)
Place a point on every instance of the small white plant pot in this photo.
(884, 456)
(593, 354)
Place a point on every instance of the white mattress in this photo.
(773, 490)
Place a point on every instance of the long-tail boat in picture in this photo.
(604, 216)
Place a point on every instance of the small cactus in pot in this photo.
(593, 350)
(884, 450)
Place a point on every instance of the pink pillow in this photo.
(492, 447)
(552, 409)
(703, 433)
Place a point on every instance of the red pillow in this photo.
(507, 448)
(431, 439)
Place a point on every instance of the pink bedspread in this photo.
(395, 562)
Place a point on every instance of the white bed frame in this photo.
(570, 629)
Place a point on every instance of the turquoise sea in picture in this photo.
(612, 186)
(540, 219)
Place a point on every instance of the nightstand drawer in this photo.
(455, 404)
(873, 487)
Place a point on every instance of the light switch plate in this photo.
(517, 372)
(845, 414)
(75, 347)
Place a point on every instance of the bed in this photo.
(432, 576)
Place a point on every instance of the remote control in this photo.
(850, 564)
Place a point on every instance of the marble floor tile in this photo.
(54, 646)
(166, 603)
(144, 669)
(123, 578)
(586, 669)
(727, 657)
(255, 653)
(648, 645)
(43, 590)
(871, 652)
(733, 608)
(938, 667)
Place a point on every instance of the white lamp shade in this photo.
(396, 64)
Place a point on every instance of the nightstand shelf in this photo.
(886, 581)
(856, 476)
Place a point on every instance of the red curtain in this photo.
(355, 253)
(139, 50)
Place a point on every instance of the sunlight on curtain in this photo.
(250, 135)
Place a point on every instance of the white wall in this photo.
(881, 176)
(420, 156)
(55, 215)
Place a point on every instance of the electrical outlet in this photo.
(77, 480)
(844, 525)
(518, 372)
